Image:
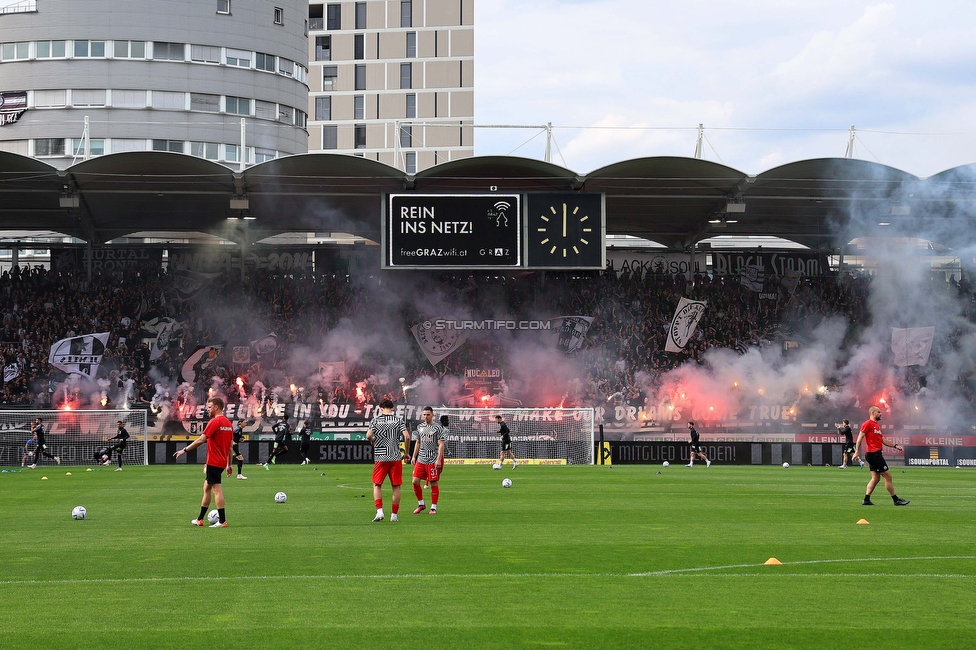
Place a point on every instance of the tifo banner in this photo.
(203, 358)
(226, 259)
(643, 263)
(912, 345)
(437, 344)
(570, 331)
(80, 354)
(106, 260)
(683, 325)
(12, 106)
(774, 263)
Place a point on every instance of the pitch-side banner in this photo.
(912, 345)
(437, 344)
(683, 325)
(79, 355)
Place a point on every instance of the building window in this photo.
(49, 147)
(205, 53)
(14, 51)
(329, 74)
(223, 6)
(265, 62)
(169, 51)
(360, 136)
(279, 16)
(359, 47)
(286, 67)
(206, 150)
(410, 162)
(406, 13)
(263, 155)
(323, 48)
(50, 49)
(95, 147)
(129, 98)
(333, 17)
(286, 114)
(88, 98)
(265, 110)
(315, 20)
(121, 145)
(411, 45)
(301, 119)
(406, 76)
(406, 135)
(360, 77)
(359, 110)
(168, 101)
(85, 49)
(130, 49)
(238, 58)
(330, 136)
(238, 106)
(55, 98)
(360, 15)
(323, 108)
(205, 103)
(173, 146)
(411, 105)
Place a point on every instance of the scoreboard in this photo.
(556, 230)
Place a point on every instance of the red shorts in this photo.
(427, 472)
(391, 468)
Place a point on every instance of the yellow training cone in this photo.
(863, 521)
(88, 470)
(772, 562)
(67, 474)
(43, 478)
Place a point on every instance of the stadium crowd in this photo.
(623, 347)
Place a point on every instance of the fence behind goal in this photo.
(73, 436)
(539, 436)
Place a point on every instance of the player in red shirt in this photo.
(871, 435)
(218, 436)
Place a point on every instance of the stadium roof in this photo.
(675, 201)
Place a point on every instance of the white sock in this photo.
(420, 503)
(379, 512)
(433, 506)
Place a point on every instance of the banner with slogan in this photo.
(912, 345)
(642, 263)
(12, 106)
(684, 323)
(437, 344)
(798, 263)
(570, 332)
(225, 259)
(79, 355)
(106, 260)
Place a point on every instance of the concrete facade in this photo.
(392, 80)
(167, 76)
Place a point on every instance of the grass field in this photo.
(570, 557)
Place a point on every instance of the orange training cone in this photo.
(863, 521)
(772, 562)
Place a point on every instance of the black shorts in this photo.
(876, 462)
(119, 447)
(506, 446)
(695, 448)
(214, 474)
(235, 451)
(849, 449)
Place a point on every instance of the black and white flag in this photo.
(202, 359)
(10, 372)
(683, 325)
(165, 330)
(912, 345)
(79, 355)
(570, 331)
(437, 344)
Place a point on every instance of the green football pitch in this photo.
(569, 557)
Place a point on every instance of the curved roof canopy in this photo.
(676, 201)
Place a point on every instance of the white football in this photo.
(79, 512)
(785, 465)
(281, 497)
(667, 464)
(213, 516)
(506, 483)
(496, 466)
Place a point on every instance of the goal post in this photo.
(73, 436)
(558, 436)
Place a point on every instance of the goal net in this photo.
(73, 436)
(539, 436)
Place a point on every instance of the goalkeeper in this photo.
(506, 435)
(282, 437)
(122, 436)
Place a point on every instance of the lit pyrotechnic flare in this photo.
(822, 390)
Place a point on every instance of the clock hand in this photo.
(564, 220)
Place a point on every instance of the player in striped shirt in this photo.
(428, 459)
(386, 431)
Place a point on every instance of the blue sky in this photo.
(773, 82)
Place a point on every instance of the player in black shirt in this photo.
(236, 449)
(122, 436)
(696, 449)
(845, 430)
(305, 436)
(41, 445)
(506, 442)
(282, 437)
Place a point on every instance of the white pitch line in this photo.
(702, 571)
